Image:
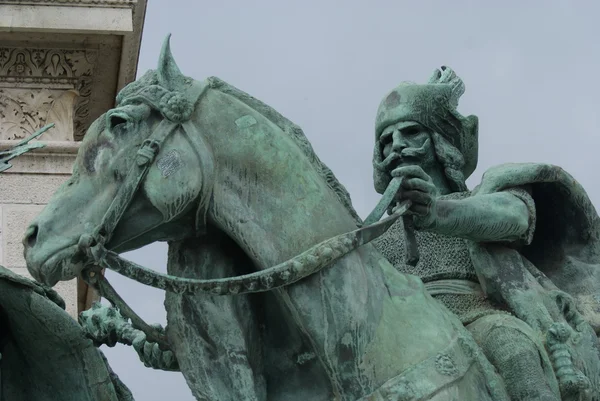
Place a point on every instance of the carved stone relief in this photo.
(24, 111)
(38, 86)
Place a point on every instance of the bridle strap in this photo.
(144, 158)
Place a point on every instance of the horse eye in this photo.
(117, 122)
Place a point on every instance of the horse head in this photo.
(167, 196)
(176, 152)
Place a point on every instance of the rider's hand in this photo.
(418, 187)
(152, 356)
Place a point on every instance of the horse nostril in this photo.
(31, 236)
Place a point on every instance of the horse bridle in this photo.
(93, 245)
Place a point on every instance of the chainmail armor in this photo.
(443, 257)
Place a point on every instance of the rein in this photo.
(286, 273)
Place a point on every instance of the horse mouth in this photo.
(61, 266)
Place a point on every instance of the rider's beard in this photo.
(411, 155)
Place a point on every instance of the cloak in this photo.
(556, 278)
(566, 244)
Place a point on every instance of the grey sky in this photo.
(529, 68)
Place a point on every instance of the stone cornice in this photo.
(54, 18)
(73, 3)
(130, 50)
(52, 63)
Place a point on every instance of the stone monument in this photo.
(50, 54)
(275, 289)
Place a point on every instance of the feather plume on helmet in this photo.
(432, 105)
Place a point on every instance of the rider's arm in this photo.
(506, 216)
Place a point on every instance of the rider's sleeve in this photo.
(524, 194)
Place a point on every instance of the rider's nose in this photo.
(398, 142)
(30, 237)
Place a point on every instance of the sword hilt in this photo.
(410, 242)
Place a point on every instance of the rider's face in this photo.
(406, 143)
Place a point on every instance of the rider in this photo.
(423, 139)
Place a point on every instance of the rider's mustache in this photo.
(415, 153)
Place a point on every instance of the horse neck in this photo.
(267, 195)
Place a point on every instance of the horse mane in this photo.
(296, 133)
(150, 78)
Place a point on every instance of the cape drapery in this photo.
(565, 247)
(556, 278)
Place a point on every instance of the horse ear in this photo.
(169, 75)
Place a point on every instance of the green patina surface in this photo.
(487, 313)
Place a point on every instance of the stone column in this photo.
(61, 62)
(24, 190)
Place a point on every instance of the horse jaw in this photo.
(51, 241)
(60, 258)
